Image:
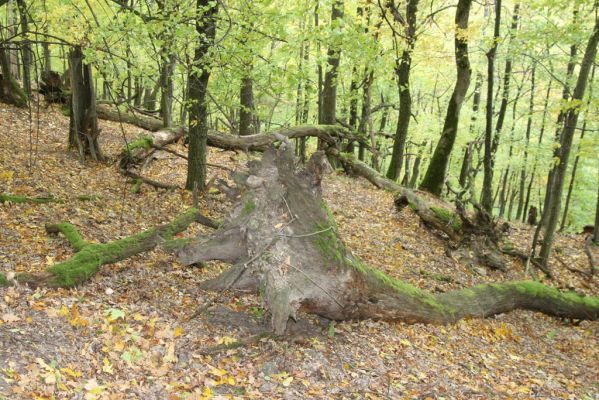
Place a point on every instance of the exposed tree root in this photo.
(90, 257)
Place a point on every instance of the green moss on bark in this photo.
(248, 206)
(3, 280)
(23, 199)
(84, 264)
(71, 233)
(447, 216)
(144, 142)
(136, 186)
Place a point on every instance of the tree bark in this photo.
(198, 89)
(329, 91)
(83, 123)
(570, 122)
(575, 166)
(167, 69)
(10, 91)
(246, 107)
(437, 168)
(402, 70)
(26, 46)
(487, 190)
(596, 227)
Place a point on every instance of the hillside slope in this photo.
(127, 334)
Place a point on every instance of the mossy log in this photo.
(478, 233)
(5, 197)
(89, 257)
(283, 243)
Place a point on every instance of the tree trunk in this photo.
(575, 166)
(402, 70)
(167, 69)
(487, 190)
(10, 91)
(246, 107)
(90, 257)
(329, 91)
(83, 123)
(534, 165)
(596, 227)
(26, 46)
(521, 196)
(437, 168)
(285, 244)
(570, 121)
(198, 89)
(318, 64)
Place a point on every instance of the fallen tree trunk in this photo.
(90, 257)
(479, 234)
(285, 245)
(330, 134)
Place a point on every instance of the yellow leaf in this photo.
(226, 340)
(206, 393)
(70, 372)
(107, 367)
(178, 331)
(7, 175)
(216, 371)
(64, 311)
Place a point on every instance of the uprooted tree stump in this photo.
(284, 244)
(52, 87)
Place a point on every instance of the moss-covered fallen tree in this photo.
(284, 244)
(89, 257)
(10, 198)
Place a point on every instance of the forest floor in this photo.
(127, 333)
